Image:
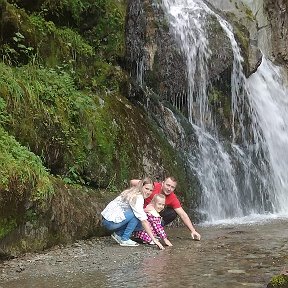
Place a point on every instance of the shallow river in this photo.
(233, 256)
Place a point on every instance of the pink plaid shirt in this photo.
(157, 229)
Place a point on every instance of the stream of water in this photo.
(228, 256)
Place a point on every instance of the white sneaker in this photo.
(128, 242)
(116, 237)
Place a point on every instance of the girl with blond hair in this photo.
(125, 214)
(153, 209)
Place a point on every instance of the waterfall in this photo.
(269, 97)
(244, 178)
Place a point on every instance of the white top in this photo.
(115, 210)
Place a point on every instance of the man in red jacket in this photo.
(173, 205)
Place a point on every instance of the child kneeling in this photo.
(152, 210)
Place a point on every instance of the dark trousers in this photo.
(168, 215)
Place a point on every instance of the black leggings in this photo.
(168, 215)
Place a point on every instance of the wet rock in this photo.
(278, 16)
(162, 67)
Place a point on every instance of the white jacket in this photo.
(115, 210)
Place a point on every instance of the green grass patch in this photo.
(20, 168)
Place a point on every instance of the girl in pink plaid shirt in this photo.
(157, 205)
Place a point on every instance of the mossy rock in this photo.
(278, 281)
(24, 180)
(72, 213)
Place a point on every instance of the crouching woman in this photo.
(125, 214)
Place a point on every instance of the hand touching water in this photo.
(195, 235)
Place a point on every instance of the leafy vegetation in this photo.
(57, 70)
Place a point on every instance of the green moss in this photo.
(67, 39)
(249, 14)
(102, 39)
(23, 180)
(243, 36)
(214, 96)
(44, 105)
(20, 167)
(76, 43)
(107, 78)
(218, 99)
(108, 35)
(6, 226)
(42, 27)
(4, 116)
(103, 22)
(63, 125)
(279, 281)
(111, 142)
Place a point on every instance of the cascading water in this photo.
(262, 184)
(269, 97)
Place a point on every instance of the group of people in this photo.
(143, 210)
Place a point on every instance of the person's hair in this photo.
(156, 197)
(172, 178)
(129, 195)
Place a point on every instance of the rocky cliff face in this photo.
(157, 63)
(251, 17)
(158, 68)
(152, 54)
(277, 11)
(266, 21)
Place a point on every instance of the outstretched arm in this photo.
(159, 230)
(186, 220)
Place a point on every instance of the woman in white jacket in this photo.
(125, 214)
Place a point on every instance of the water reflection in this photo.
(235, 256)
(154, 270)
(71, 280)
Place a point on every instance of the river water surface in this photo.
(235, 255)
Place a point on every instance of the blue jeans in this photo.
(125, 228)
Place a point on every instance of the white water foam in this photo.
(249, 219)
